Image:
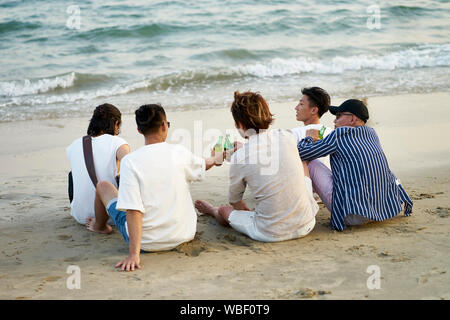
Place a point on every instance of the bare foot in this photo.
(206, 208)
(90, 225)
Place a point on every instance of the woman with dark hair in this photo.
(107, 148)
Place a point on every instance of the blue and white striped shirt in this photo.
(363, 184)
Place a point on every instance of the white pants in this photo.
(244, 222)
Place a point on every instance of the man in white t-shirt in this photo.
(313, 104)
(153, 208)
(107, 149)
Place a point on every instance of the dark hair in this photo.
(251, 110)
(104, 120)
(149, 118)
(317, 98)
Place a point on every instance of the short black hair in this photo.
(318, 97)
(149, 118)
(104, 120)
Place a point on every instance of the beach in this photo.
(40, 240)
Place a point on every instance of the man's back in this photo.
(363, 184)
(270, 165)
(154, 181)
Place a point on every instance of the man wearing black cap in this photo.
(360, 186)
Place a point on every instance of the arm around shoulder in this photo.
(310, 150)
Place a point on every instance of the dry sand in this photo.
(39, 239)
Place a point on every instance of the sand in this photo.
(39, 240)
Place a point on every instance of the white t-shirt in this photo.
(269, 164)
(104, 150)
(300, 133)
(154, 180)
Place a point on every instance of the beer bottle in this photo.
(218, 151)
(228, 147)
(321, 132)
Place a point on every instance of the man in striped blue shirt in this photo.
(360, 186)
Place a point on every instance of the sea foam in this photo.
(17, 88)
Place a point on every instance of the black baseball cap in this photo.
(357, 107)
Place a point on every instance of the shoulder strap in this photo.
(89, 159)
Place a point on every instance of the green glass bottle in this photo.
(321, 132)
(228, 147)
(218, 145)
(218, 151)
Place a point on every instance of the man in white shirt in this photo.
(153, 207)
(269, 164)
(313, 104)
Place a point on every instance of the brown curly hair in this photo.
(251, 110)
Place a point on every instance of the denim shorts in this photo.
(119, 218)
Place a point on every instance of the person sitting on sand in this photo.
(313, 104)
(153, 207)
(107, 148)
(285, 207)
(360, 187)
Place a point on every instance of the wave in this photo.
(419, 57)
(136, 31)
(17, 88)
(231, 54)
(26, 87)
(95, 86)
(409, 11)
(412, 58)
(14, 25)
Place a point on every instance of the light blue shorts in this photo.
(119, 218)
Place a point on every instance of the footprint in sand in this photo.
(394, 258)
(12, 254)
(361, 250)
(433, 273)
(64, 237)
(440, 212)
(303, 293)
(192, 248)
(239, 240)
(13, 196)
(48, 279)
(52, 279)
(420, 196)
(75, 259)
(308, 293)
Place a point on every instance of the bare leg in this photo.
(104, 194)
(221, 214)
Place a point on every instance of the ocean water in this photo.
(195, 54)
